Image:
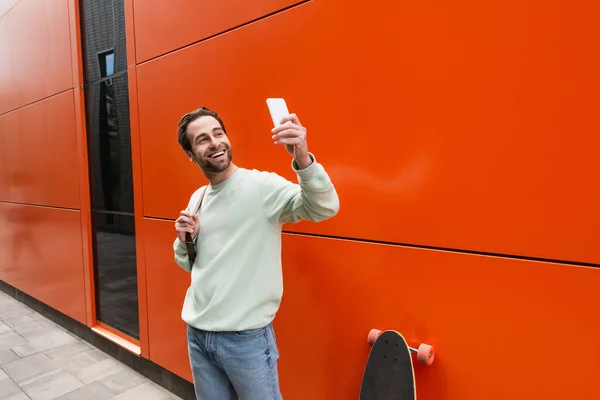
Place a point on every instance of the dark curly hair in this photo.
(188, 119)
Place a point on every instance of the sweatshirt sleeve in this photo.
(181, 253)
(313, 198)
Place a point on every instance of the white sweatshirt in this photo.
(236, 279)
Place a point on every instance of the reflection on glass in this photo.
(112, 205)
(109, 147)
(106, 62)
(110, 64)
(116, 274)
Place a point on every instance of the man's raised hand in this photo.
(292, 134)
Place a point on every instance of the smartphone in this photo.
(278, 110)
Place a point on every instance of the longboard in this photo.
(389, 373)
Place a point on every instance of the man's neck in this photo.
(219, 177)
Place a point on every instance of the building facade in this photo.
(461, 138)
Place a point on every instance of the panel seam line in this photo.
(225, 31)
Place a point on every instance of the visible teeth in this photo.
(218, 154)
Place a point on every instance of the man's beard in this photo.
(207, 166)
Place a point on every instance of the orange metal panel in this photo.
(166, 285)
(130, 32)
(502, 328)
(75, 33)
(136, 164)
(163, 26)
(438, 125)
(486, 317)
(85, 214)
(40, 254)
(39, 146)
(35, 51)
(82, 161)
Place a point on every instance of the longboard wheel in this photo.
(425, 354)
(373, 335)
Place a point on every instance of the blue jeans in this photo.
(228, 365)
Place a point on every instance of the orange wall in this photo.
(467, 138)
(166, 288)
(472, 128)
(39, 163)
(487, 317)
(194, 21)
(40, 253)
(44, 200)
(495, 335)
(36, 52)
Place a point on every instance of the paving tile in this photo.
(8, 388)
(68, 350)
(30, 329)
(29, 367)
(14, 322)
(77, 362)
(10, 339)
(38, 317)
(7, 356)
(42, 361)
(6, 298)
(47, 323)
(18, 312)
(9, 304)
(123, 381)
(43, 320)
(146, 391)
(50, 385)
(51, 338)
(94, 391)
(99, 371)
(4, 328)
(25, 350)
(18, 396)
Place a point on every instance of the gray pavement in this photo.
(40, 360)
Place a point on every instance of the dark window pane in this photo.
(104, 31)
(109, 150)
(110, 145)
(116, 273)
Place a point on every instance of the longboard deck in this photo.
(389, 373)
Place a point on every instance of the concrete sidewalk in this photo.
(39, 360)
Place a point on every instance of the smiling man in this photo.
(236, 277)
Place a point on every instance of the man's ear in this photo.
(190, 156)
